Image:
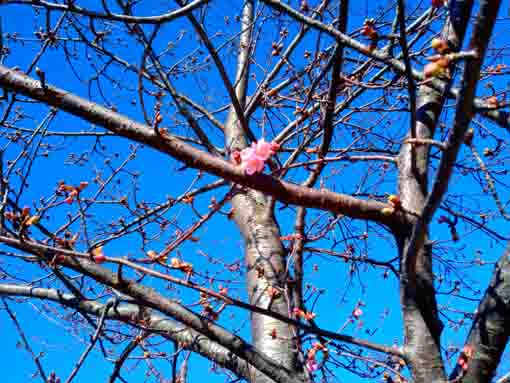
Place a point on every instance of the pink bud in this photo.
(312, 365)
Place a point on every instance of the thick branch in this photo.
(37, 248)
(148, 297)
(284, 191)
(263, 249)
(421, 323)
(127, 313)
(464, 109)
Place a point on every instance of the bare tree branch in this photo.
(73, 8)
(123, 126)
(128, 313)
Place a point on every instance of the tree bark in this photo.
(265, 257)
(186, 337)
(490, 330)
(422, 327)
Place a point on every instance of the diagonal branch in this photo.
(237, 102)
(133, 344)
(24, 340)
(411, 86)
(326, 121)
(149, 298)
(37, 248)
(92, 343)
(127, 313)
(421, 323)
(464, 109)
(284, 191)
(380, 55)
(149, 51)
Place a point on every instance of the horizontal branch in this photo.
(71, 7)
(285, 192)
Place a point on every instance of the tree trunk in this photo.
(265, 256)
(422, 327)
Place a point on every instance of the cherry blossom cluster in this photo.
(253, 158)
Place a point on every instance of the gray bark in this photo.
(130, 313)
(150, 299)
(265, 256)
(422, 327)
(490, 329)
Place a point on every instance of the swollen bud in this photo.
(32, 220)
(387, 211)
(394, 201)
(440, 45)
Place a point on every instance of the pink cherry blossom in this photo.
(312, 365)
(263, 149)
(250, 161)
(357, 312)
(254, 157)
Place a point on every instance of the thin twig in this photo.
(24, 340)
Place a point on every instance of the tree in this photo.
(277, 162)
